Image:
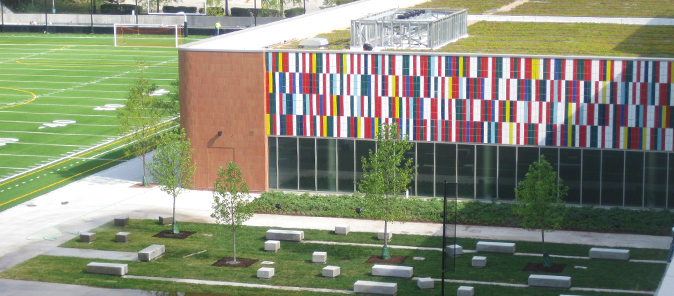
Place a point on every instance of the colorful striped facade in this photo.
(557, 102)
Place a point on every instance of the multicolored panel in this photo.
(623, 104)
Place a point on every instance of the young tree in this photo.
(386, 174)
(172, 167)
(540, 201)
(270, 7)
(231, 201)
(138, 118)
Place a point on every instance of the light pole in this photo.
(305, 7)
(137, 12)
(46, 21)
(2, 15)
(255, 11)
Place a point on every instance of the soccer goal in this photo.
(147, 35)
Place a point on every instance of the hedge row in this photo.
(238, 11)
(120, 9)
(587, 218)
(175, 9)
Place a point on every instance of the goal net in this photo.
(147, 35)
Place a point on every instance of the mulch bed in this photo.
(243, 262)
(394, 259)
(538, 267)
(140, 185)
(169, 234)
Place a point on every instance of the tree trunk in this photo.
(175, 221)
(234, 242)
(386, 223)
(543, 239)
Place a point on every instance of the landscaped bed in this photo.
(294, 268)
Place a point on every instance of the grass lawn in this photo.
(474, 7)
(566, 39)
(293, 266)
(52, 88)
(598, 8)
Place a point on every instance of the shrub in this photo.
(175, 9)
(120, 9)
(294, 11)
(587, 218)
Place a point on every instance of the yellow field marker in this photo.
(21, 90)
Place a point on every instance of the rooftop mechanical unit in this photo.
(409, 29)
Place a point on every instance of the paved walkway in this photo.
(572, 19)
(93, 254)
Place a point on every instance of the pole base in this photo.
(145, 183)
(175, 227)
(547, 262)
(385, 254)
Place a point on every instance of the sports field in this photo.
(58, 100)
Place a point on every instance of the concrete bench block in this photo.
(151, 253)
(479, 261)
(494, 247)
(454, 250)
(122, 237)
(265, 273)
(342, 229)
(87, 237)
(165, 220)
(380, 235)
(108, 268)
(368, 287)
(549, 281)
(425, 283)
(272, 245)
(285, 235)
(121, 221)
(405, 272)
(331, 271)
(612, 254)
(465, 291)
(319, 257)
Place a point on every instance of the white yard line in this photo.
(64, 114)
(55, 134)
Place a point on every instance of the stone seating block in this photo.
(612, 254)
(122, 237)
(87, 237)
(494, 247)
(479, 261)
(405, 272)
(272, 245)
(151, 253)
(342, 229)
(165, 220)
(465, 291)
(549, 281)
(380, 235)
(425, 283)
(379, 288)
(265, 273)
(319, 257)
(108, 268)
(331, 271)
(454, 250)
(121, 221)
(285, 235)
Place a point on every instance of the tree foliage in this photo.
(172, 167)
(386, 175)
(141, 114)
(271, 7)
(540, 199)
(231, 200)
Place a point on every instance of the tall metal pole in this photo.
(444, 239)
(305, 7)
(2, 15)
(137, 12)
(92, 16)
(255, 11)
(46, 21)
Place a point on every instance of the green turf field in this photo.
(58, 99)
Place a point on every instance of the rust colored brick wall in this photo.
(224, 91)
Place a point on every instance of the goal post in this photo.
(147, 35)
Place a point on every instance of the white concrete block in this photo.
(108, 268)
(425, 283)
(479, 261)
(454, 250)
(87, 237)
(549, 281)
(367, 287)
(319, 257)
(495, 247)
(165, 220)
(285, 235)
(331, 271)
(122, 237)
(272, 245)
(613, 254)
(151, 253)
(393, 271)
(265, 273)
(342, 229)
(380, 235)
(121, 221)
(465, 291)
